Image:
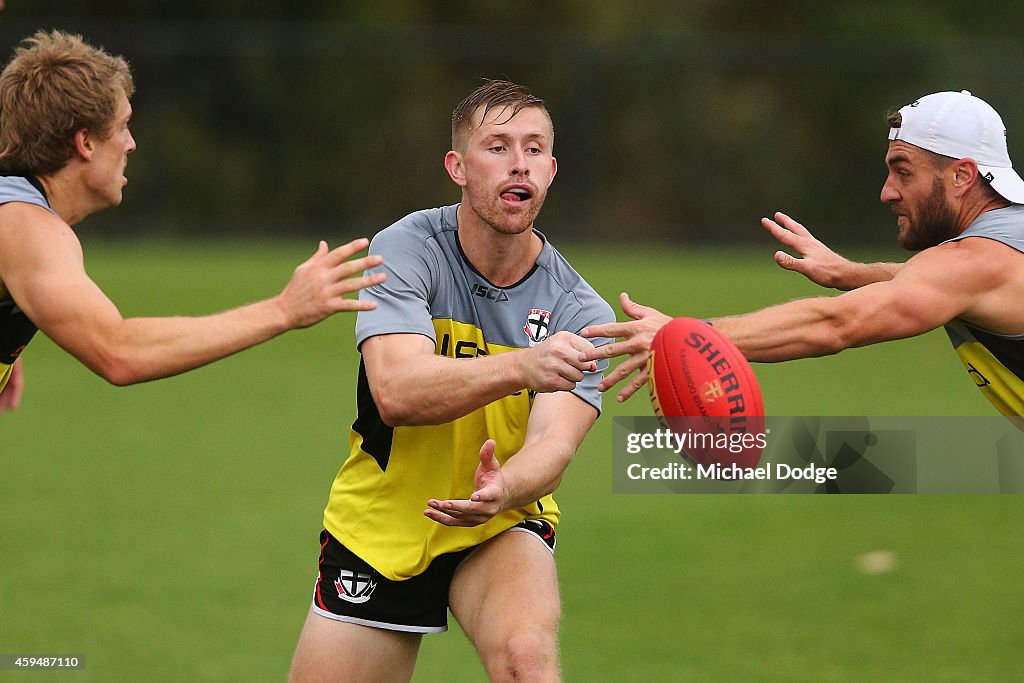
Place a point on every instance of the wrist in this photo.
(845, 275)
(519, 375)
(507, 499)
(280, 315)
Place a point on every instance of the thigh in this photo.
(506, 592)
(330, 650)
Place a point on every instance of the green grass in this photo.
(168, 531)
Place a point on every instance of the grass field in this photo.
(168, 532)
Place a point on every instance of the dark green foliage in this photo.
(686, 121)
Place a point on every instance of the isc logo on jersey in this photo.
(489, 293)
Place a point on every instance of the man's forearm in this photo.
(437, 389)
(142, 349)
(856, 275)
(805, 328)
(413, 386)
(536, 471)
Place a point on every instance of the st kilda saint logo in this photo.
(537, 325)
(354, 586)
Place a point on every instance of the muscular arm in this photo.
(963, 279)
(558, 423)
(975, 279)
(42, 268)
(413, 386)
(823, 326)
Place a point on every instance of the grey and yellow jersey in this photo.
(377, 501)
(995, 362)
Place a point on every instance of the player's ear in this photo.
(554, 168)
(83, 143)
(965, 173)
(456, 170)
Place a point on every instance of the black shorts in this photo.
(348, 589)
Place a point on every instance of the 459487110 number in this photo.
(23, 661)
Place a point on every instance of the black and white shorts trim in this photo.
(350, 590)
(539, 528)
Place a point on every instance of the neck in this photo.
(63, 197)
(504, 259)
(970, 212)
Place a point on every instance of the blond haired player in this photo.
(64, 145)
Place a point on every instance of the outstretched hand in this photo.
(318, 287)
(489, 498)
(817, 262)
(637, 337)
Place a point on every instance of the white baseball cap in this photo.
(960, 125)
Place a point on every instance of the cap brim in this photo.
(1005, 181)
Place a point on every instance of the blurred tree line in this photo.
(682, 121)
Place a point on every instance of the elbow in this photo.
(834, 331)
(832, 344)
(554, 484)
(827, 343)
(391, 415)
(841, 335)
(396, 412)
(120, 378)
(117, 370)
(119, 375)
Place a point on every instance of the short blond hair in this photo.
(55, 85)
(492, 95)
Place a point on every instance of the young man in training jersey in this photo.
(472, 399)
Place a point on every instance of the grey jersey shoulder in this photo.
(412, 262)
(1004, 225)
(19, 189)
(419, 225)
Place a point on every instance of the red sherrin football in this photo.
(695, 372)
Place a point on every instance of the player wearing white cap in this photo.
(958, 202)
